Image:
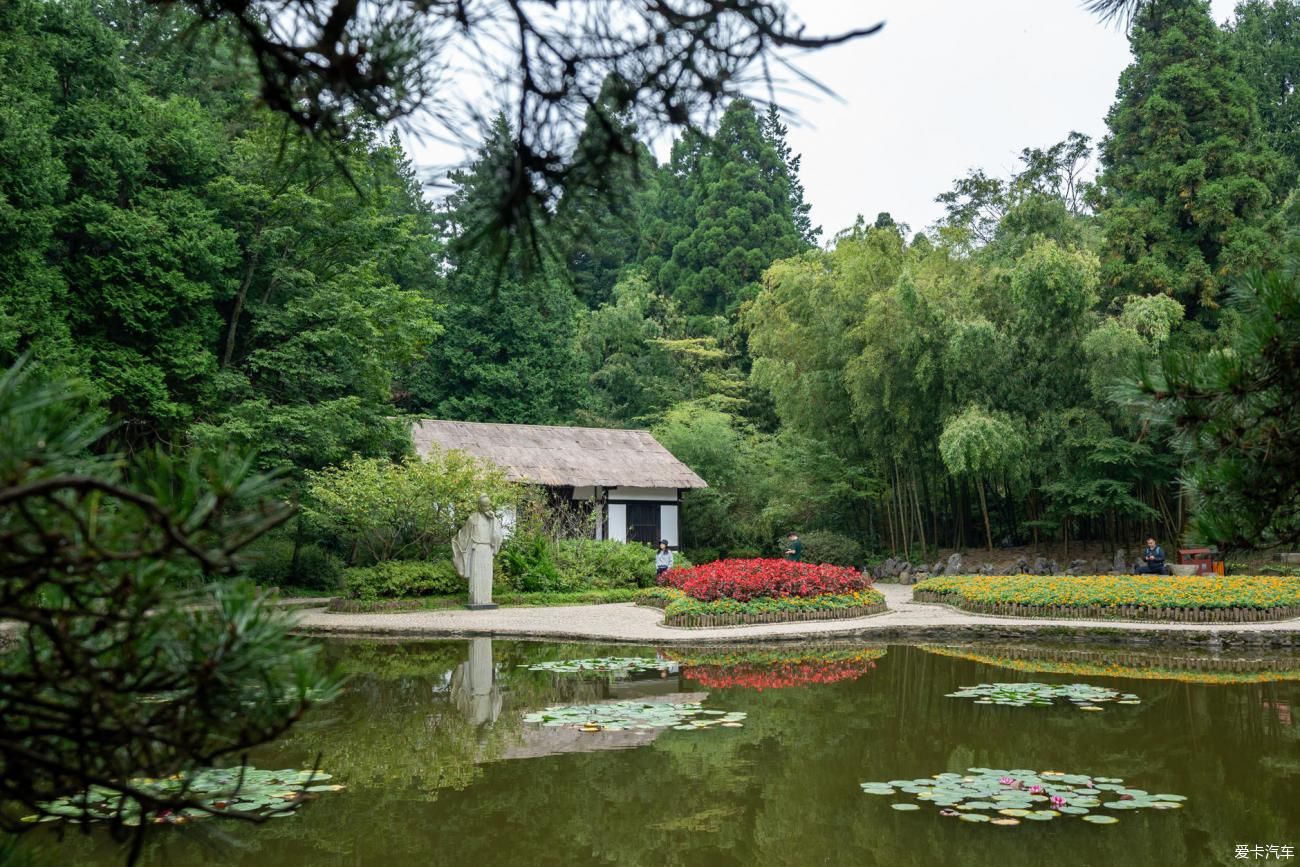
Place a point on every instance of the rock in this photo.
(937, 568)
(1079, 567)
(954, 565)
(1119, 564)
(987, 569)
(905, 577)
(1022, 566)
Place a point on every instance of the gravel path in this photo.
(625, 622)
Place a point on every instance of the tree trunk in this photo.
(984, 510)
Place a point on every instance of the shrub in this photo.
(703, 555)
(535, 564)
(592, 563)
(379, 510)
(271, 565)
(394, 579)
(743, 554)
(527, 563)
(827, 546)
(742, 580)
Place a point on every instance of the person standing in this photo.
(1153, 559)
(663, 558)
(794, 548)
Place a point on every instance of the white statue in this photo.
(472, 551)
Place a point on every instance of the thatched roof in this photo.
(577, 456)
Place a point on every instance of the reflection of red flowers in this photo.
(743, 580)
(776, 670)
(779, 676)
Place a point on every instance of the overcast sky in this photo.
(947, 86)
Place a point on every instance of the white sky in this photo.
(947, 86)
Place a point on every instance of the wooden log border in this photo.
(1162, 614)
(705, 621)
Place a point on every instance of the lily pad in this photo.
(622, 715)
(905, 807)
(1083, 695)
(601, 665)
(1023, 794)
(246, 790)
(1101, 820)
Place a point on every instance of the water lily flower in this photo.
(1035, 790)
(1058, 801)
(1007, 781)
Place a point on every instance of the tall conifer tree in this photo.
(1186, 188)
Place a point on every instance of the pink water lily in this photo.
(1007, 781)
(1058, 801)
(1035, 790)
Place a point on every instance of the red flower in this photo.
(743, 580)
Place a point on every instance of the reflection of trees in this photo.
(1123, 662)
(783, 790)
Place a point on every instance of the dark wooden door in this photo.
(643, 523)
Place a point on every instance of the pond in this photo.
(758, 756)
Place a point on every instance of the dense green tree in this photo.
(1265, 37)
(1235, 417)
(598, 220)
(1187, 190)
(338, 256)
(743, 210)
(509, 349)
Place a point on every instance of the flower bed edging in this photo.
(705, 621)
(1114, 612)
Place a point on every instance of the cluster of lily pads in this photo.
(1007, 797)
(600, 665)
(633, 715)
(1084, 696)
(245, 791)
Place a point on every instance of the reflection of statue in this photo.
(472, 551)
(474, 687)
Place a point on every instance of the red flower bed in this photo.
(743, 580)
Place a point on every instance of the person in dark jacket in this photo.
(1153, 559)
(794, 549)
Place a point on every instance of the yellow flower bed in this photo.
(1146, 597)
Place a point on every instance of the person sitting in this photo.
(1153, 559)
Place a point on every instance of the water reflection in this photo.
(1187, 666)
(474, 686)
(441, 769)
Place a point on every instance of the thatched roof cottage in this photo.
(633, 482)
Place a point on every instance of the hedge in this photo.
(682, 610)
(1194, 599)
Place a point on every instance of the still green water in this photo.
(441, 769)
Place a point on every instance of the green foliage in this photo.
(401, 579)
(1234, 416)
(1189, 182)
(118, 672)
(827, 546)
(508, 352)
(1265, 38)
(272, 563)
(379, 510)
(728, 207)
(533, 563)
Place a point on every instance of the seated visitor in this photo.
(1153, 559)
